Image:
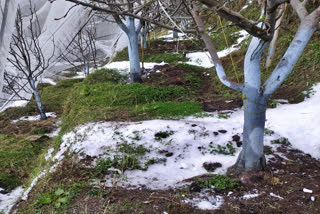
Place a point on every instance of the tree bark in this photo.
(133, 51)
(32, 84)
(252, 156)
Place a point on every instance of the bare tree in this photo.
(26, 56)
(82, 50)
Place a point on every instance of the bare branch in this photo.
(238, 19)
(125, 13)
(213, 53)
(300, 8)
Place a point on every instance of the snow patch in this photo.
(307, 190)
(34, 118)
(206, 202)
(48, 80)
(297, 122)
(203, 59)
(7, 201)
(189, 145)
(248, 196)
(124, 66)
(169, 37)
(276, 196)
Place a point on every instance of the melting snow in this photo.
(276, 196)
(8, 200)
(248, 196)
(298, 123)
(124, 66)
(307, 190)
(189, 145)
(203, 59)
(34, 118)
(206, 202)
(169, 37)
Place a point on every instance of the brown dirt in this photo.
(285, 177)
(174, 75)
(160, 46)
(24, 127)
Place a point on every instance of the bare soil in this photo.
(203, 92)
(25, 127)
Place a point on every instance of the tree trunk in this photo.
(86, 68)
(43, 115)
(252, 156)
(175, 34)
(133, 52)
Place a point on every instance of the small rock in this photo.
(236, 138)
(3, 192)
(312, 198)
(239, 144)
(194, 125)
(200, 148)
(215, 133)
(211, 166)
(36, 137)
(166, 153)
(169, 154)
(222, 131)
(195, 187)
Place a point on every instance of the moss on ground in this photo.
(106, 100)
(18, 157)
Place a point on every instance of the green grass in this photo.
(218, 182)
(54, 96)
(170, 58)
(110, 101)
(18, 157)
(168, 110)
(105, 75)
(56, 200)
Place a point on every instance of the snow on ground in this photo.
(206, 202)
(124, 66)
(48, 80)
(169, 37)
(203, 59)
(299, 123)
(276, 196)
(251, 195)
(8, 200)
(34, 118)
(17, 103)
(190, 146)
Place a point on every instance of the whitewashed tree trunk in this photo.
(256, 95)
